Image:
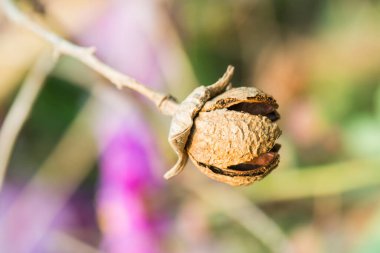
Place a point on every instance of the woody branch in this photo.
(86, 55)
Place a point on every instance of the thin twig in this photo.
(20, 109)
(86, 56)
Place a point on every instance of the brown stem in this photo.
(86, 55)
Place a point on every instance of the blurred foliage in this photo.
(54, 110)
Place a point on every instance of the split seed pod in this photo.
(229, 134)
(233, 138)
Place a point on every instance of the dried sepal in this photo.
(183, 118)
(181, 125)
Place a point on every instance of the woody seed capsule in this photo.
(233, 137)
(229, 134)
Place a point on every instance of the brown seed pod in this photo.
(234, 147)
(230, 137)
(224, 138)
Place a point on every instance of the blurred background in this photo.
(85, 173)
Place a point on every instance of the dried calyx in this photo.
(232, 137)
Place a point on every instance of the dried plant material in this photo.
(224, 138)
(183, 118)
(230, 137)
(234, 147)
(241, 96)
(181, 125)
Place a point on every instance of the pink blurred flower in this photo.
(128, 189)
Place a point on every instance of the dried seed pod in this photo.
(231, 137)
(234, 147)
(223, 138)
